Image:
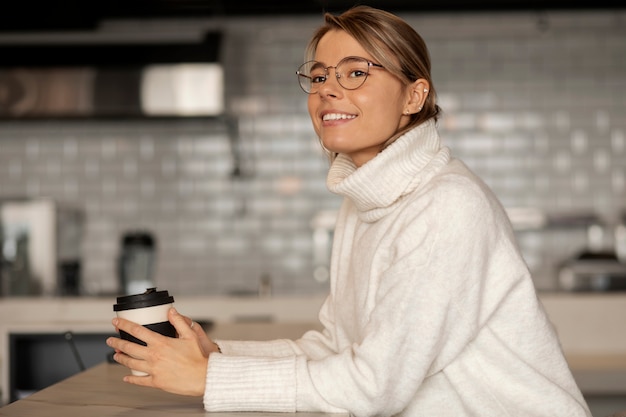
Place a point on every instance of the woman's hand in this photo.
(176, 365)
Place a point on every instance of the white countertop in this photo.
(24, 310)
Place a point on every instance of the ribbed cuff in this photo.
(250, 384)
(273, 348)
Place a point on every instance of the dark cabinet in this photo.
(38, 360)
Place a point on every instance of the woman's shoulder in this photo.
(456, 193)
(454, 183)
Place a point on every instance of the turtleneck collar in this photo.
(400, 168)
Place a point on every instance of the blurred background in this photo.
(169, 141)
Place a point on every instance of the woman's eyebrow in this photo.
(318, 65)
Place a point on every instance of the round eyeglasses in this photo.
(351, 72)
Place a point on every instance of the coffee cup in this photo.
(148, 309)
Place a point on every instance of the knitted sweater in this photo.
(431, 310)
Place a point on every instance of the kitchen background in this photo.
(533, 102)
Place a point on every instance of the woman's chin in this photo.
(334, 145)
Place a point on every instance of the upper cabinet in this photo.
(91, 78)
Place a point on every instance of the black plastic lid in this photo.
(150, 298)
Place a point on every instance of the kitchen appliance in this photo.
(40, 247)
(136, 262)
(593, 271)
(600, 265)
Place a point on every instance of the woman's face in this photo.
(358, 122)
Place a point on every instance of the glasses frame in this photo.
(313, 90)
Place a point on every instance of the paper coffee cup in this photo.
(148, 309)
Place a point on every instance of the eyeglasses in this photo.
(351, 73)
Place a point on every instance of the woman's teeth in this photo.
(337, 116)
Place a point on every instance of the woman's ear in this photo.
(417, 95)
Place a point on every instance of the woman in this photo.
(431, 311)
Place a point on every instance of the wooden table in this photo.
(99, 392)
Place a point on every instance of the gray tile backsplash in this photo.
(535, 103)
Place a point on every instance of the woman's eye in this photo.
(318, 79)
(357, 73)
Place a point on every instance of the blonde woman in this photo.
(431, 311)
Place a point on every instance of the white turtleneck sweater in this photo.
(431, 311)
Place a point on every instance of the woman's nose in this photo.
(331, 86)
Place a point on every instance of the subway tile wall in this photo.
(533, 102)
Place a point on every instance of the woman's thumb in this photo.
(179, 322)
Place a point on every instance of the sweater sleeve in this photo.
(270, 384)
(263, 375)
(313, 344)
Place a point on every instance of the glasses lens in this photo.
(310, 75)
(352, 72)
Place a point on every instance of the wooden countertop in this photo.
(100, 392)
(599, 374)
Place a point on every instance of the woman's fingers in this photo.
(144, 381)
(206, 345)
(131, 362)
(129, 354)
(181, 323)
(137, 330)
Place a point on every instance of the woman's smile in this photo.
(329, 118)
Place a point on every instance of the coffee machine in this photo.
(40, 247)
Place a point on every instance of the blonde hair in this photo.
(393, 43)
